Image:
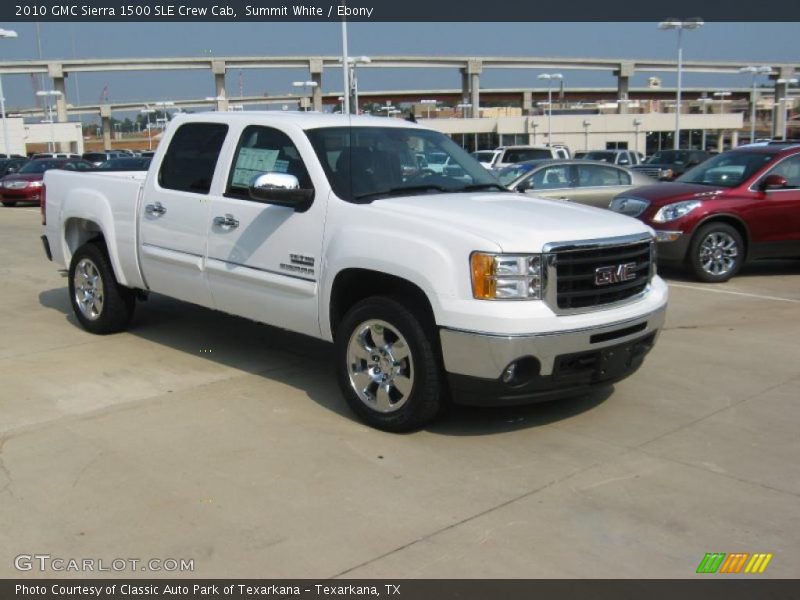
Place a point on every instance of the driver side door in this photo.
(263, 260)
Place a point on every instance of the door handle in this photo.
(226, 222)
(156, 209)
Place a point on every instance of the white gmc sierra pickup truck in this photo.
(432, 286)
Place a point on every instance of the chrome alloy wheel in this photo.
(718, 253)
(88, 289)
(380, 366)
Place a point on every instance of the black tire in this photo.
(420, 371)
(719, 236)
(9, 203)
(115, 303)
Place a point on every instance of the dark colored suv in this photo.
(671, 164)
(738, 206)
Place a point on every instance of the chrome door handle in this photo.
(226, 222)
(155, 209)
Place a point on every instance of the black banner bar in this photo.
(391, 10)
(712, 588)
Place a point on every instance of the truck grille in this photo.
(585, 278)
(654, 172)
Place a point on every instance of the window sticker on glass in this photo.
(281, 166)
(251, 162)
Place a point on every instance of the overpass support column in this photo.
(315, 68)
(105, 119)
(527, 103)
(623, 75)
(720, 141)
(734, 139)
(464, 86)
(475, 68)
(218, 69)
(781, 93)
(56, 73)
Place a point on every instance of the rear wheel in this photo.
(100, 304)
(716, 253)
(386, 366)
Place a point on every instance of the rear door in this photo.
(264, 260)
(174, 213)
(596, 185)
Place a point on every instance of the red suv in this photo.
(735, 207)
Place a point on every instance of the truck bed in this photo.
(81, 205)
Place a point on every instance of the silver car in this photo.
(585, 181)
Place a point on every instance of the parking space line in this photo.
(734, 293)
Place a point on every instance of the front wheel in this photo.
(716, 253)
(9, 203)
(100, 304)
(386, 366)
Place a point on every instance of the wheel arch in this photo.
(352, 285)
(732, 220)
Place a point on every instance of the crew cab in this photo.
(430, 287)
(736, 207)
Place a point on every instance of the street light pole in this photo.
(586, 125)
(304, 85)
(755, 71)
(636, 124)
(5, 34)
(722, 96)
(47, 94)
(345, 70)
(428, 103)
(549, 78)
(148, 111)
(784, 100)
(679, 25)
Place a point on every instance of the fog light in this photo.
(668, 236)
(508, 374)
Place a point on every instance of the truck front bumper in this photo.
(486, 369)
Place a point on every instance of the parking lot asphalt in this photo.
(197, 435)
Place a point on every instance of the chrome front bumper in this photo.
(486, 355)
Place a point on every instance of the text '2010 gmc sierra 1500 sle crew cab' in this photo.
(432, 286)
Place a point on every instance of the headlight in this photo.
(671, 212)
(632, 207)
(506, 276)
(35, 184)
(665, 174)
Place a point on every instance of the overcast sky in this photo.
(772, 42)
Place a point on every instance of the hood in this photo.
(515, 222)
(24, 177)
(667, 193)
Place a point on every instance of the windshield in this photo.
(483, 155)
(510, 174)
(667, 157)
(515, 155)
(604, 156)
(727, 170)
(366, 163)
(126, 164)
(40, 166)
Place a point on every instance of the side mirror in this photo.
(525, 186)
(281, 189)
(772, 182)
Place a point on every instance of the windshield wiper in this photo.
(482, 186)
(402, 190)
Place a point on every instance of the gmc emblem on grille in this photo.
(614, 273)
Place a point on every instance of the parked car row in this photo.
(711, 214)
(21, 178)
